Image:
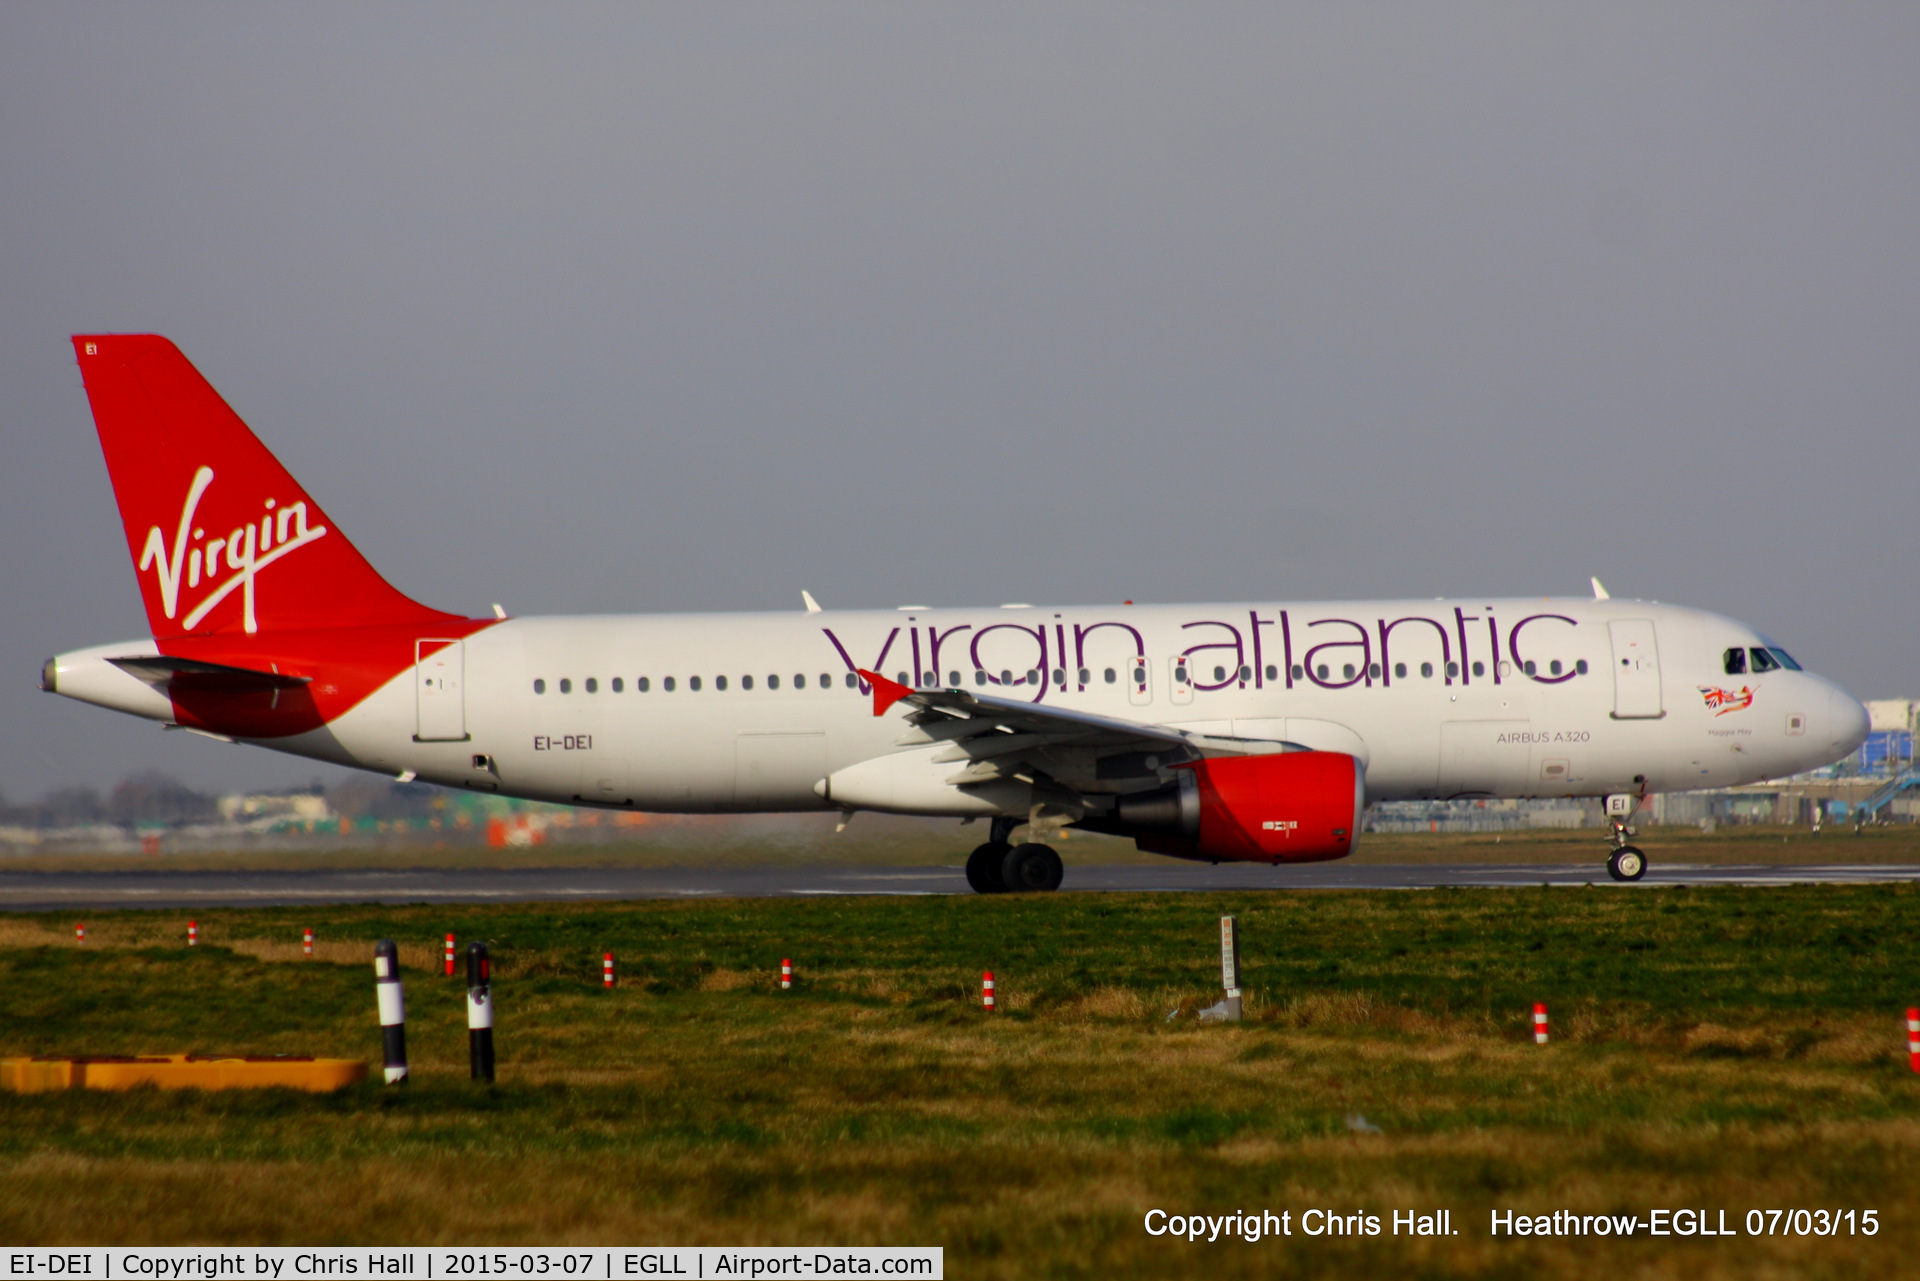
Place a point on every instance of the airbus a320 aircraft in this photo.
(1255, 731)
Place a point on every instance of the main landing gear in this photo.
(1626, 863)
(999, 867)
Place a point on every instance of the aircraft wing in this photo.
(991, 737)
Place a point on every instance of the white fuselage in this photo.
(742, 712)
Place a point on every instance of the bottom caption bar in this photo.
(362, 1263)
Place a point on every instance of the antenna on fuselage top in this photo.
(813, 606)
(1599, 592)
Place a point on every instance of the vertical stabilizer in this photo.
(223, 539)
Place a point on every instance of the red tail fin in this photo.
(223, 539)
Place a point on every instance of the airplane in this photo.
(1255, 731)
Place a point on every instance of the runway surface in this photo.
(52, 891)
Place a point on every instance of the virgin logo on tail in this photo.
(246, 550)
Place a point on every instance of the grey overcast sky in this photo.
(622, 308)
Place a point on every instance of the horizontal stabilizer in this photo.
(189, 675)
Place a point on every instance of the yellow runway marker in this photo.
(179, 1072)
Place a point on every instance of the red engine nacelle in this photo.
(1292, 807)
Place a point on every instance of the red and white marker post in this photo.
(1913, 1039)
(193, 934)
(79, 932)
(986, 991)
(1539, 1022)
(606, 970)
(449, 956)
(786, 974)
(306, 943)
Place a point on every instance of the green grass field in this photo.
(1729, 1049)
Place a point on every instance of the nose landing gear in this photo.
(1626, 863)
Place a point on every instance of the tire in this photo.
(1626, 864)
(1031, 868)
(983, 869)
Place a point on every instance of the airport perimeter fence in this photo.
(1480, 816)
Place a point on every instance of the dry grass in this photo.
(876, 1104)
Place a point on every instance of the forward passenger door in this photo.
(1636, 670)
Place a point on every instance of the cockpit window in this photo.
(1764, 661)
(1736, 661)
(1786, 659)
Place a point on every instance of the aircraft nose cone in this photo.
(1847, 721)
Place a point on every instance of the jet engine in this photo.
(1290, 807)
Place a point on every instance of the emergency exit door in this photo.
(439, 691)
(1636, 669)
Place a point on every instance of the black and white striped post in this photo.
(480, 1011)
(393, 1009)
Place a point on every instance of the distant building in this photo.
(1892, 714)
(275, 807)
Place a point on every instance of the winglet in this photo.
(885, 692)
(813, 606)
(1599, 592)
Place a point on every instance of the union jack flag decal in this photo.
(1722, 701)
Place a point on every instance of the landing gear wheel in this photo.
(1031, 867)
(1626, 864)
(983, 869)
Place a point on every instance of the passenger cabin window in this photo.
(1110, 676)
(566, 686)
(1299, 672)
(1346, 671)
(1273, 672)
(1453, 670)
(1373, 671)
(693, 684)
(1580, 667)
(1322, 672)
(593, 685)
(618, 685)
(853, 681)
(1479, 668)
(979, 676)
(1553, 668)
(1246, 673)
(953, 680)
(1180, 672)
(539, 686)
(1764, 661)
(1735, 661)
(746, 682)
(1220, 673)
(667, 684)
(719, 683)
(1426, 670)
(773, 682)
(643, 684)
(1400, 670)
